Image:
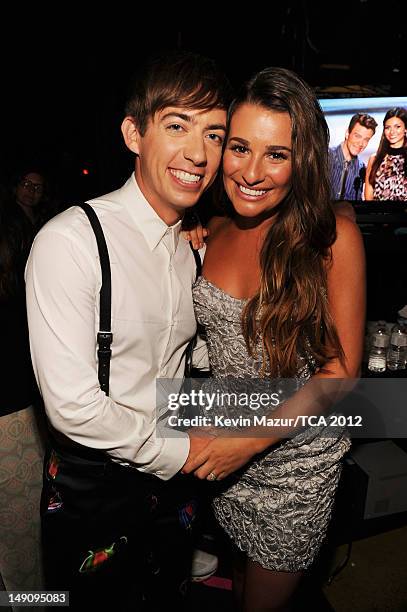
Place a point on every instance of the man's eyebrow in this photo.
(216, 126)
(189, 119)
(269, 149)
(178, 115)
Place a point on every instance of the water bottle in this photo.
(402, 321)
(380, 327)
(378, 352)
(397, 352)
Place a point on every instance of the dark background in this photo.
(64, 73)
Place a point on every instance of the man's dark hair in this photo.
(365, 121)
(180, 79)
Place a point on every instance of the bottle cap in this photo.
(399, 339)
(380, 340)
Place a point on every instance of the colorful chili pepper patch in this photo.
(95, 559)
(53, 465)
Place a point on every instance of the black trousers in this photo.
(115, 538)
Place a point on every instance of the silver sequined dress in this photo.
(278, 508)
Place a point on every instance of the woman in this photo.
(30, 190)
(386, 174)
(282, 295)
(21, 440)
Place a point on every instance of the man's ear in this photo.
(346, 134)
(131, 134)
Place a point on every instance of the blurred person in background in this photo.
(31, 189)
(21, 432)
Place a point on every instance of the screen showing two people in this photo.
(368, 148)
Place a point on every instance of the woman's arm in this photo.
(346, 296)
(368, 187)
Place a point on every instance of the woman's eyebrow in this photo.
(272, 148)
(241, 140)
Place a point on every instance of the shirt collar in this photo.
(340, 152)
(153, 228)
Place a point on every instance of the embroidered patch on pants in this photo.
(187, 514)
(97, 558)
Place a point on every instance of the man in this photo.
(347, 171)
(116, 511)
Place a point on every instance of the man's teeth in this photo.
(185, 176)
(252, 192)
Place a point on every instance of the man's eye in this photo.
(216, 138)
(175, 127)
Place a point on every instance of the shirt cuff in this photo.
(172, 456)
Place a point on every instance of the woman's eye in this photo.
(239, 149)
(278, 156)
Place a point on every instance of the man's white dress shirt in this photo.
(152, 322)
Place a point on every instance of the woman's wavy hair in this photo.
(290, 312)
(384, 145)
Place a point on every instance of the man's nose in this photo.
(195, 151)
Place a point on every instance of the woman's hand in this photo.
(223, 456)
(196, 235)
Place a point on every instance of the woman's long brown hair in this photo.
(290, 313)
(384, 145)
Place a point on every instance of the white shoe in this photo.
(204, 565)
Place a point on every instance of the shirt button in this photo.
(170, 268)
(158, 473)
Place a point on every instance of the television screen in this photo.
(338, 113)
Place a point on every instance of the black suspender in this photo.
(105, 336)
(198, 261)
(190, 371)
